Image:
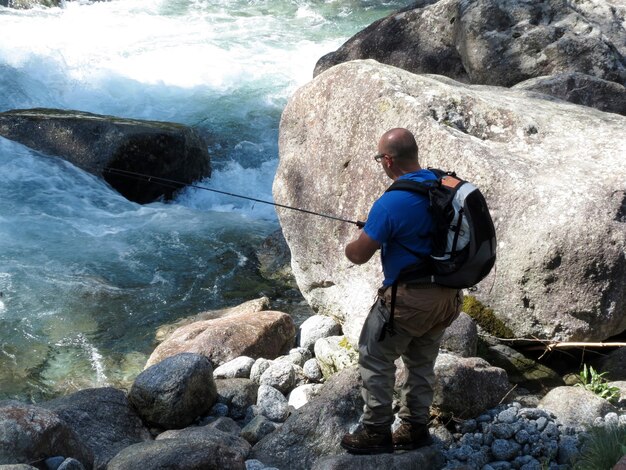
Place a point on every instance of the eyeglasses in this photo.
(379, 157)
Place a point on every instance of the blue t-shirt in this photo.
(401, 216)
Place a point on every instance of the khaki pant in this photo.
(422, 314)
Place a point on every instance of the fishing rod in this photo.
(179, 184)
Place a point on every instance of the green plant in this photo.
(602, 448)
(596, 383)
(486, 318)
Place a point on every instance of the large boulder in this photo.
(561, 269)
(174, 392)
(103, 418)
(575, 406)
(500, 42)
(30, 433)
(504, 43)
(467, 386)
(243, 333)
(96, 143)
(580, 88)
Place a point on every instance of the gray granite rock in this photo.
(175, 391)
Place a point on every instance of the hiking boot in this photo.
(411, 436)
(368, 440)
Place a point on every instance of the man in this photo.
(399, 220)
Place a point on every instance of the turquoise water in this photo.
(86, 276)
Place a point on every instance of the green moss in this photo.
(486, 318)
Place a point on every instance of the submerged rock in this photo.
(96, 142)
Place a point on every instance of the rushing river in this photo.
(86, 276)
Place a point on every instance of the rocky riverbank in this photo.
(288, 410)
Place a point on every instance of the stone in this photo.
(238, 368)
(301, 395)
(461, 337)
(552, 283)
(614, 365)
(71, 464)
(466, 387)
(95, 142)
(575, 406)
(316, 327)
(280, 375)
(504, 43)
(254, 334)
(103, 418)
(312, 371)
(174, 392)
(272, 404)
(209, 431)
(259, 366)
(334, 354)
(315, 429)
(257, 428)
(298, 356)
(529, 373)
(215, 451)
(275, 259)
(580, 88)
(52, 463)
(237, 394)
(29, 433)
(251, 306)
(420, 459)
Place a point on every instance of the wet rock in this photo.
(95, 142)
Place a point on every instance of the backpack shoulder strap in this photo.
(409, 185)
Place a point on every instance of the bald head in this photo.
(400, 144)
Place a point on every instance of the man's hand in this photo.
(362, 249)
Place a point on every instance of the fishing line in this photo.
(179, 184)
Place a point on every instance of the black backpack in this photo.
(463, 236)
